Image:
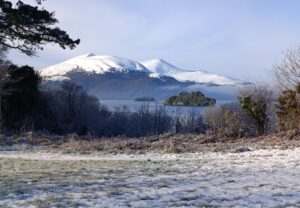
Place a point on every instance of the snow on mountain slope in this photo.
(92, 64)
(159, 67)
(156, 68)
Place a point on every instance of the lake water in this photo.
(173, 110)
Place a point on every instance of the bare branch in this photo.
(287, 73)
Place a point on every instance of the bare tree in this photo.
(160, 119)
(287, 72)
(72, 92)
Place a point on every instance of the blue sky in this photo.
(237, 38)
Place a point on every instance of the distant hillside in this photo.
(144, 99)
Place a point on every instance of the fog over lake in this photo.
(134, 105)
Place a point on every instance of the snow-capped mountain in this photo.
(159, 67)
(92, 64)
(111, 77)
(156, 68)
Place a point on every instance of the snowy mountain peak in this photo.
(160, 67)
(83, 56)
(90, 54)
(92, 63)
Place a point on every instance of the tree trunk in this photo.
(1, 120)
(261, 128)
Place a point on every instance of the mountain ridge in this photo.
(160, 67)
(156, 68)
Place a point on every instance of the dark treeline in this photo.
(73, 110)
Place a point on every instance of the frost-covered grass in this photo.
(260, 178)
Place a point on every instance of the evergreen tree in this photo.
(20, 102)
(256, 110)
(26, 28)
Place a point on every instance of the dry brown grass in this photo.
(167, 143)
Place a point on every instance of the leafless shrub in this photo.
(228, 120)
(287, 73)
(192, 123)
(145, 121)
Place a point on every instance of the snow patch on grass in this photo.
(260, 178)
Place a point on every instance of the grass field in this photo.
(261, 178)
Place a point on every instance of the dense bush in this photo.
(253, 115)
(288, 109)
(228, 120)
(256, 100)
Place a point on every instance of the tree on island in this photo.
(190, 99)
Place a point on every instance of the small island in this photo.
(144, 99)
(190, 99)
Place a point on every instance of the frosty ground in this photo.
(258, 178)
